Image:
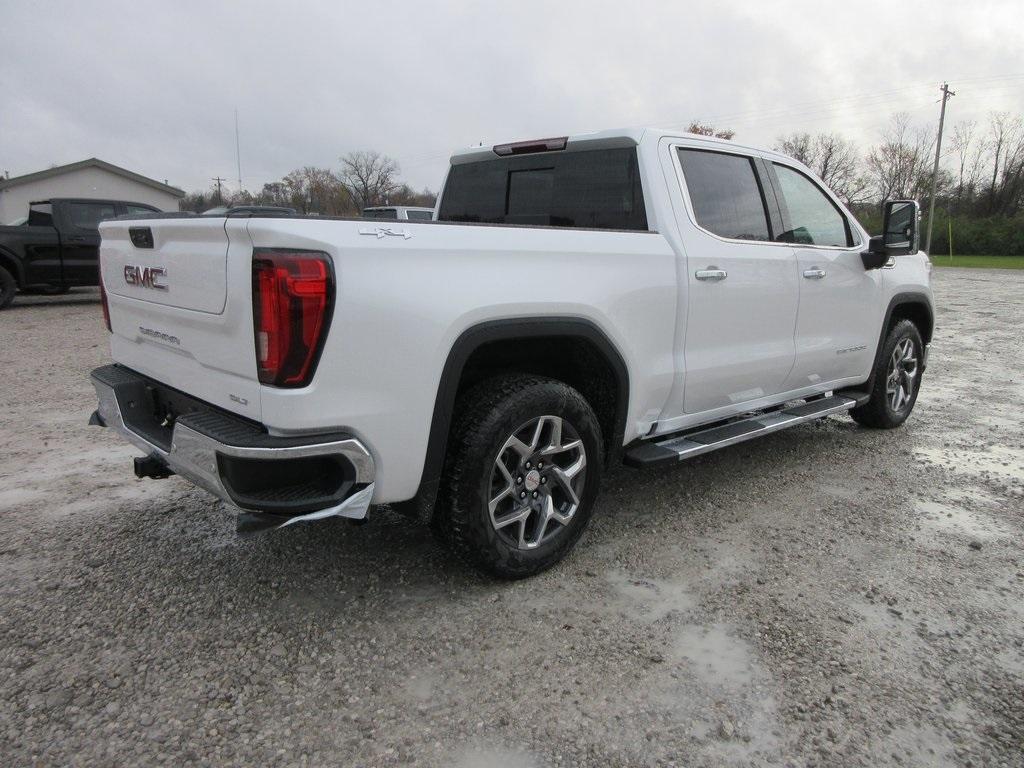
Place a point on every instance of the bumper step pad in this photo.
(704, 440)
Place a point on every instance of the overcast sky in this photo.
(153, 86)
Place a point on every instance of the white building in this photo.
(90, 178)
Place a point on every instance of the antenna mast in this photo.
(238, 152)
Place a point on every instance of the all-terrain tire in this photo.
(880, 412)
(8, 288)
(486, 417)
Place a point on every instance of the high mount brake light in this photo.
(292, 301)
(528, 147)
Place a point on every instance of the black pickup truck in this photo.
(58, 247)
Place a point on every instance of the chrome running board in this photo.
(678, 446)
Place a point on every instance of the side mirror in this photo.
(899, 234)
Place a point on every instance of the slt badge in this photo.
(380, 232)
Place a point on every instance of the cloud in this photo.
(153, 86)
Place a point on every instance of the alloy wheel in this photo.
(536, 482)
(902, 376)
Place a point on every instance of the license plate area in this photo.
(151, 410)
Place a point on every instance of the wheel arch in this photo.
(13, 265)
(913, 306)
(917, 308)
(483, 349)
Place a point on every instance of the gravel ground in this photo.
(826, 596)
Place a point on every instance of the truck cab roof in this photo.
(52, 200)
(606, 139)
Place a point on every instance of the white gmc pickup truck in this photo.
(636, 296)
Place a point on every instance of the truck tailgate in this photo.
(181, 310)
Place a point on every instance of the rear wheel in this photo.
(521, 475)
(897, 379)
(8, 287)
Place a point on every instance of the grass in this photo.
(983, 262)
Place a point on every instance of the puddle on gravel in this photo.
(963, 520)
(921, 745)
(713, 656)
(651, 599)
(491, 757)
(1000, 460)
(717, 684)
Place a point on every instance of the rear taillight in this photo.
(106, 306)
(292, 300)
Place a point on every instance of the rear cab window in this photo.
(89, 215)
(419, 215)
(389, 214)
(580, 188)
(726, 194)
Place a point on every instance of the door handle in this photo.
(76, 239)
(814, 274)
(711, 274)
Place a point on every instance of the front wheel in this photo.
(521, 475)
(897, 379)
(8, 287)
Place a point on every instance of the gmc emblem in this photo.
(145, 277)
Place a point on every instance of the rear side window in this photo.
(725, 194)
(594, 188)
(811, 217)
(89, 215)
(135, 210)
(40, 215)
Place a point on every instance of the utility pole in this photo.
(218, 180)
(946, 93)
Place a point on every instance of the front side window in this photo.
(593, 188)
(89, 215)
(725, 194)
(813, 218)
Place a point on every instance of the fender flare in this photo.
(464, 346)
(901, 300)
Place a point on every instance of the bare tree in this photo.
(1007, 146)
(370, 177)
(708, 130)
(317, 190)
(969, 150)
(275, 193)
(406, 195)
(834, 159)
(900, 166)
(799, 146)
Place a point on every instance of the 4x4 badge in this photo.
(380, 232)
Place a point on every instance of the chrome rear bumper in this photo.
(197, 453)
